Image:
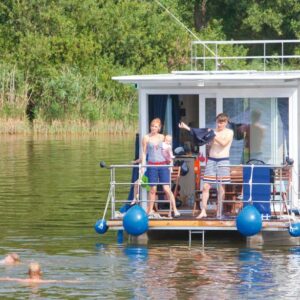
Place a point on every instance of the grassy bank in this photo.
(24, 127)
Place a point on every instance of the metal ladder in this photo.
(191, 232)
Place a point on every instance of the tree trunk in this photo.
(200, 14)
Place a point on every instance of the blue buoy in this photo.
(135, 222)
(101, 226)
(124, 208)
(248, 221)
(120, 237)
(294, 229)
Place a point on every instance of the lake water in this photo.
(51, 193)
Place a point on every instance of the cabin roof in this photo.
(213, 78)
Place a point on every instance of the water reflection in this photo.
(255, 273)
(51, 193)
(136, 253)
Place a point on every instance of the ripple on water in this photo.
(51, 194)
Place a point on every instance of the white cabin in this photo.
(265, 102)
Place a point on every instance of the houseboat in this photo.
(263, 106)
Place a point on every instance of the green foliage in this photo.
(70, 49)
(58, 57)
(14, 92)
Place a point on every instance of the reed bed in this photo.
(24, 127)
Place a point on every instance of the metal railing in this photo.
(114, 200)
(213, 55)
(279, 180)
(280, 188)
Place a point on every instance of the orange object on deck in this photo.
(197, 171)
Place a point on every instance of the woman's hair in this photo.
(156, 121)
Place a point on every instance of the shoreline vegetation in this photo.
(57, 59)
(71, 127)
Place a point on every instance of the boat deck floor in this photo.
(188, 222)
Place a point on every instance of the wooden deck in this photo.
(203, 224)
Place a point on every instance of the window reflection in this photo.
(260, 129)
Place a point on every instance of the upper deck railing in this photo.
(260, 55)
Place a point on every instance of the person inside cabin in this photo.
(254, 136)
(215, 170)
(152, 148)
(10, 259)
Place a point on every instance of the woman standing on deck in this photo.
(152, 149)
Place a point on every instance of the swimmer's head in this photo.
(12, 258)
(34, 270)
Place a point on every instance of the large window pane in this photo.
(210, 112)
(260, 129)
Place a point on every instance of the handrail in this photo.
(114, 183)
(218, 58)
(287, 189)
(277, 181)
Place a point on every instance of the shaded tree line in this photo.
(58, 57)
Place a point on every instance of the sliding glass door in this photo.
(260, 129)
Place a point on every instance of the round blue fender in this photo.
(248, 221)
(294, 229)
(101, 226)
(124, 208)
(135, 222)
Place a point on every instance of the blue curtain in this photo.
(157, 107)
(135, 171)
(175, 120)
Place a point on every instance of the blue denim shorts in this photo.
(158, 174)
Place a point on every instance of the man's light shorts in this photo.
(217, 170)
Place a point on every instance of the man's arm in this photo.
(182, 125)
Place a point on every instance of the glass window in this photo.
(210, 112)
(260, 129)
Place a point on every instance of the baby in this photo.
(167, 149)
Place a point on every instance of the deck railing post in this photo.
(113, 191)
(282, 54)
(204, 59)
(265, 60)
(217, 67)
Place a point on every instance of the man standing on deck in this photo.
(216, 170)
